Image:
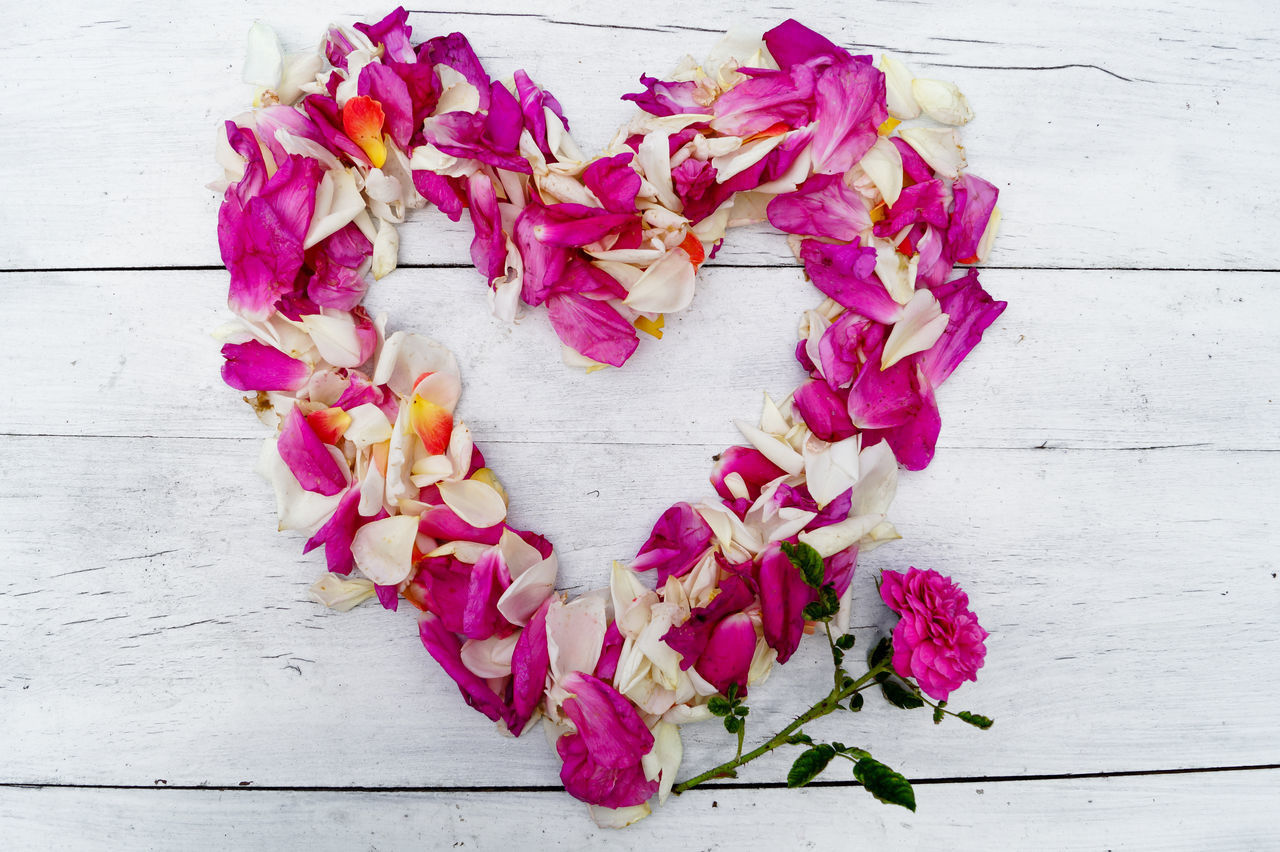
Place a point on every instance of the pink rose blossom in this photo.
(938, 641)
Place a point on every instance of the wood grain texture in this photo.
(1090, 360)
(1226, 811)
(1123, 591)
(1123, 135)
(1105, 488)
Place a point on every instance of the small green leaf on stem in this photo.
(884, 783)
(809, 764)
(719, 706)
(800, 738)
(741, 710)
(807, 560)
(733, 724)
(899, 696)
(938, 713)
(845, 642)
(856, 702)
(882, 651)
(974, 719)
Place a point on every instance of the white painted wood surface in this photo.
(1105, 487)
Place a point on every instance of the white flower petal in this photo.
(338, 201)
(474, 502)
(920, 326)
(883, 164)
(383, 549)
(340, 593)
(575, 634)
(666, 286)
(618, 817)
(774, 448)
(897, 85)
(404, 357)
(527, 591)
(829, 541)
(939, 146)
(369, 425)
(663, 760)
(941, 101)
(264, 58)
(490, 657)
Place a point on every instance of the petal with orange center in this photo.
(362, 120)
(329, 424)
(433, 423)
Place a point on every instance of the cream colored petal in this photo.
(774, 448)
(383, 549)
(490, 657)
(897, 84)
(920, 326)
(386, 250)
(338, 202)
(666, 286)
(527, 592)
(575, 634)
(835, 538)
(939, 146)
(369, 425)
(340, 593)
(942, 101)
(883, 164)
(474, 502)
(404, 357)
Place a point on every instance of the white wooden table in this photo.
(1105, 485)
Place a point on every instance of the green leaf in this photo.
(807, 560)
(885, 784)
(899, 696)
(800, 739)
(974, 719)
(838, 656)
(809, 764)
(732, 724)
(732, 693)
(845, 642)
(814, 611)
(880, 653)
(856, 702)
(741, 710)
(938, 713)
(719, 706)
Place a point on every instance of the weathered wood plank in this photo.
(1119, 360)
(1123, 135)
(1227, 810)
(155, 626)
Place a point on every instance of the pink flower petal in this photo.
(308, 457)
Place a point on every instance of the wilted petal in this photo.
(975, 201)
(822, 207)
(881, 399)
(339, 593)
(941, 101)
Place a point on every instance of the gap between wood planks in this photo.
(161, 784)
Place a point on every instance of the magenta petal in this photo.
(840, 567)
(441, 523)
(846, 273)
(592, 328)
(922, 202)
(845, 344)
(489, 579)
(308, 457)
(678, 540)
(766, 99)
(850, 99)
(824, 411)
(387, 88)
(693, 180)
(254, 366)
(327, 117)
(446, 648)
(393, 33)
(489, 247)
(422, 84)
(440, 586)
(970, 310)
(585, 279)
(590, 781)
(455, 51)
(337, 533)
(747, 462)
(821, 207)
(783, 597)
(607, 722)
(443, 192)
(529, 665)
(388, 596)
(727, 657)
(504, 121)
(833, 513)
(792, 43)
(610, 653)
(882, 399)
(912, 163)
(974, 201)
(661, 97)
(534, 102)
(614, 182)
(913, 441)
(690, 638)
